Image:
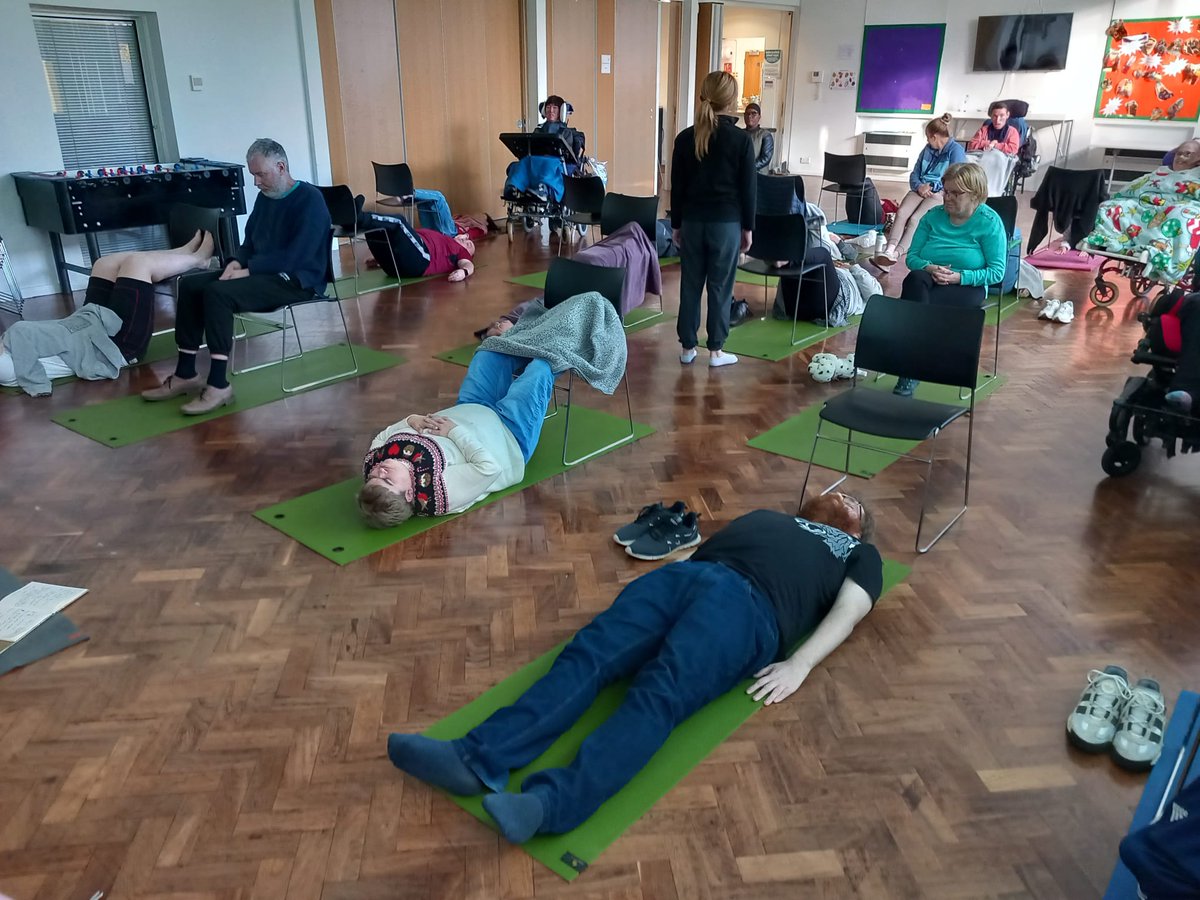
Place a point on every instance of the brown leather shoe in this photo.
(212, 398)
(174, 386)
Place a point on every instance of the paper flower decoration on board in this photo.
(1150, 70)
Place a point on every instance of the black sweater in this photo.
(289, 235)
(720, 187)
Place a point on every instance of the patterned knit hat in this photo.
(425, 456)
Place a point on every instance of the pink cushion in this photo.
(1048, 258)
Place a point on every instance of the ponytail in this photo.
(939, 126)
(718, 94)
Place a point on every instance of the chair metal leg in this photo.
(282, 327)
(328, 378)
(624, 439)
(812, 455)
(796, 311)
(929, 480)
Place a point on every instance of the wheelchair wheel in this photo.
(1104, 293)
(1141, 286)
(1121, 459)
(530, 222)
(510, 226)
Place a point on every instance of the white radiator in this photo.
(889, 152)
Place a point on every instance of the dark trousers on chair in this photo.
(807, 292)
(133, 301)
(920, 286)
(206, 306)
(708, 255)
(685, 634)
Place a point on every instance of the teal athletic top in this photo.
(975, 249)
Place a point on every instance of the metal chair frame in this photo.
(11, 299)
(783, 237)
(580, 196)
(395, 187)
(566, 278)
(343, 212)
(836, 166)
(911, 329)
(621, 209)
(289, 311)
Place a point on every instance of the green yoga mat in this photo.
(127, 420)
(371, 280)
(569, 854)
(327, 521)
(756, 280)
(770, 339)
(793, 438)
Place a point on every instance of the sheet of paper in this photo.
(27, 607)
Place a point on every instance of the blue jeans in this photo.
(685, 633)
(708, 255)
(516, 388)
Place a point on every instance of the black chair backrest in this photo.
(920, 340)
(1006, 208)
(340, 202)
(777, 194)
(394, 180)
(847, 171)
(584, 195)
(568, 277)
(184, 220)
(620, 209)
(778, 238)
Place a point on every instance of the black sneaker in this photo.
(627, 534)
(675, 531)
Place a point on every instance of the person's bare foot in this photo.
(194, 242)
(206, 246)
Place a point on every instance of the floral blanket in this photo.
(1159, 212)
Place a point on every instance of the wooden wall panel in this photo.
(635, 68)
(363, 115)
(460, 66)
(574, 64)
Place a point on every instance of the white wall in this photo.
(262, 78)
(825, 120)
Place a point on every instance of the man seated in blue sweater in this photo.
(283, 260)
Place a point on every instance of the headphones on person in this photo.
(564, 108)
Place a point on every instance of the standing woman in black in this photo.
(712, 214)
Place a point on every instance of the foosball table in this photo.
(90, 201)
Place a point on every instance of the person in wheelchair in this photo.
(555, 111)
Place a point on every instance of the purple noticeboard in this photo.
(899, 69)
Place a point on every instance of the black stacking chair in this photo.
(394, 187)
(1006, 207)
(343, 212)
(565, 279)
(778, 238)
(915, 340)
(584, 197)
(619, 209)
(282, 325)
(183, 221)
(843, 175)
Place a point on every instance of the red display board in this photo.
(1151, 70)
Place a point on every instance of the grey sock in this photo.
(436, 762)
(518, 815)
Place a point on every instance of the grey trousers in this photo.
(708, 255)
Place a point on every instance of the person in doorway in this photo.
(712, 214)
(110, 331)
(763, 140)
(283, 259)
(996, 133)
(925, 188)
(685, 634)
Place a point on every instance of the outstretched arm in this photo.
(778, 681)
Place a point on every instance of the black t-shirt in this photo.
(797, 564)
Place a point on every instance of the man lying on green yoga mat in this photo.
(685, 634)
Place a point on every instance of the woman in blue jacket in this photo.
(925, 181)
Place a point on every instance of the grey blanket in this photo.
(583, 333)
(83, 340)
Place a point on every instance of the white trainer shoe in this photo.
(1138, 742)
(1049, 309)
(1064, 313)
(1093, 723)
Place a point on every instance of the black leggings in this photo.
(920, 286)
(398, 249)
(808, 292)
(133, 301)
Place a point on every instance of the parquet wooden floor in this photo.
(222, 733)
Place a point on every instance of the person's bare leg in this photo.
(159, 265)
(108, 267)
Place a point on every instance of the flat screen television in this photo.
(1036, 43)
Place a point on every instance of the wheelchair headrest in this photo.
(1018, 109)
(564, 108)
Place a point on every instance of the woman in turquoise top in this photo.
(958, 250)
